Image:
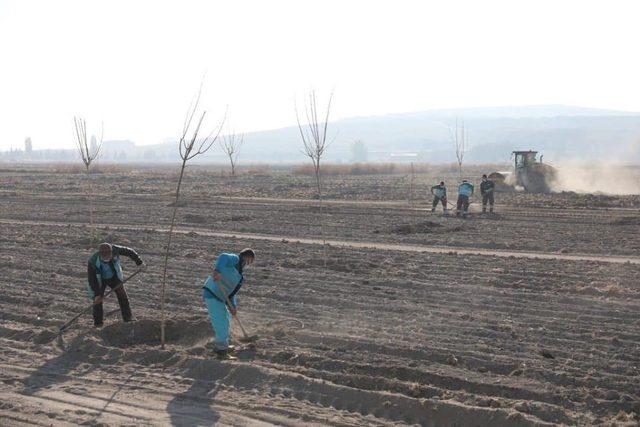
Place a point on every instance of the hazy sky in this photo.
(136, 64)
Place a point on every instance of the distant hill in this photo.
(559, 132)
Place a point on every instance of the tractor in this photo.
(529, 173)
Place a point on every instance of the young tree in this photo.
(87, 155)
(458, 137)
(188, 147)
(231, 144)
(314, 140)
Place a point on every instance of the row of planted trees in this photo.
(313, 133)
(231, 143)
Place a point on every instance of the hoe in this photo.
(88, 309)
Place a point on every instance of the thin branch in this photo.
(208, 142)
(99, 145)
(193, 107)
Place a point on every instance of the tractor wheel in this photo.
(534, 182)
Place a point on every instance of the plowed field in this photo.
(527, 317)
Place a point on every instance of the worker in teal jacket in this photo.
(104, 269)
(465, 190)
(219, 294)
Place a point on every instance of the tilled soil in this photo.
(377, 337)
(562, 223)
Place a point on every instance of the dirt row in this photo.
(567, 231)
(378, 337)
(212, 181)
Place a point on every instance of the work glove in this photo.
(139, 262)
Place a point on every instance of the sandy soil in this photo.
(384, 335)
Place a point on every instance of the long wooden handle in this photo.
(86, 310)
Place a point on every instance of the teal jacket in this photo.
(439, 191)
(465, 189)
(230, 269)
(94, 276)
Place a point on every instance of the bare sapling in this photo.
(231, 144)
(188, 147)
(314, 140)
(88, 153)
(459, 139)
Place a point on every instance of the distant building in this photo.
(28, 146)
(359, 153)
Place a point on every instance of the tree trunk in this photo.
(92, 233)
(166, 258)
(320, 201)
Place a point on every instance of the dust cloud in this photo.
(604, 178)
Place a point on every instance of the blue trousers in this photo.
(220, 321)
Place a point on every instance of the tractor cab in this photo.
(525, 159)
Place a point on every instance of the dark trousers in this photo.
(463, 204)
(123, 301)
(437, 200)
(487, 198)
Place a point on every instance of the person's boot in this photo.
(224, 355)
(445, 211)
(211, 345)
(230, 349)
(484, 209)
(433, 209)
(490, 209)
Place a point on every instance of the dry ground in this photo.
(386, 334)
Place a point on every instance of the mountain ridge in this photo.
(560, 132)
